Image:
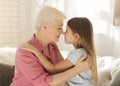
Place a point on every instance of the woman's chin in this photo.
(56, 40)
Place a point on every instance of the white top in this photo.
(84, 78)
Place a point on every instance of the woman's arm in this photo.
(61, 66)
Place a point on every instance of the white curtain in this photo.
(9, 22)
(117, 13)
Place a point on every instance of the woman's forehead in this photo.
(58, 23)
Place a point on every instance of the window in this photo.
(16, 19)
(9, 22)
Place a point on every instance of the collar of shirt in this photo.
(51, 55)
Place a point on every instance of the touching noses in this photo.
(64, 33)
(61, 31)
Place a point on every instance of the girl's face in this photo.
(70, 37)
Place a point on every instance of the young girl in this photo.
(79, 33)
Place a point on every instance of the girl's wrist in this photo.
(76, 69)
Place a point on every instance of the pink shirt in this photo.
(28, 69)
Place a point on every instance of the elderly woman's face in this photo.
(55, 30)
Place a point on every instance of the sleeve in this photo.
(75, 55)
(32, 69)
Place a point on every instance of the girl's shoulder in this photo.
(78, 51)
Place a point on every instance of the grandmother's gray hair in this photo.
(48, 15)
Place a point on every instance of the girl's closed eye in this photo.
(66, 31)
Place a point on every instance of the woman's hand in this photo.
(83, 63)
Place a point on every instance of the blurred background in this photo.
(17, 22)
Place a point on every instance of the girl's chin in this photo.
(66, 42)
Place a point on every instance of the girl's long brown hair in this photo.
(84, 28)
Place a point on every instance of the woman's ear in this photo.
(43, 25)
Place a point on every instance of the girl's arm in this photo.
(61, 66)
(57, 51)
(81, 65)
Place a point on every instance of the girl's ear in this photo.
(77, 36)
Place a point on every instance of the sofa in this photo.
(108, 68)
(7, 56)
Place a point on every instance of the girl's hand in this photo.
(55, 46)
(84, 63)
(57, 51)
(29, 48)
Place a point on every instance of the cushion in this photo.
(108, 67)
(6, 74)
(7, 55)
(116, 80)
(104, 77)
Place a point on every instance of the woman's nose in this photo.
(61, 31)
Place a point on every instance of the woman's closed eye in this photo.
(59, 28)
